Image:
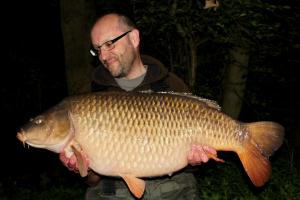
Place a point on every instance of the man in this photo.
(115, 41)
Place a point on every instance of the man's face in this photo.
(119, 59)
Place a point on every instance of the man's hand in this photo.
(75, 159)
(71, 163)
(199, 154)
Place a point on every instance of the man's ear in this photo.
(135, 37)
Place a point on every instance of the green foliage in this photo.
(169, 28)
(228, 181)
(269, 30)
(245, 23)
(56, 184)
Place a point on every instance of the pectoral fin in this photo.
(135, 185)
(81, 159)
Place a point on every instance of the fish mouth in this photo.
(22, 137)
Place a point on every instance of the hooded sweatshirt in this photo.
(157, 78)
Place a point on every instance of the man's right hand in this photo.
(71, 163)
(201, 154)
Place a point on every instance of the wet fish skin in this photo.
(139, 135)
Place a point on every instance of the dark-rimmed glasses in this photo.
(106, 46)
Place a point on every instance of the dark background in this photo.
(32, 79)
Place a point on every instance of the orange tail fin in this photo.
(264, 139)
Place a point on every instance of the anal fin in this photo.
(135, 185)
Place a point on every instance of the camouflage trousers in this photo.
(182, 186)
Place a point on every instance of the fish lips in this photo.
(21, 135)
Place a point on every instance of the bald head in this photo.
(111, 23)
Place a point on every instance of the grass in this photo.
(229, 181)
(60, 185)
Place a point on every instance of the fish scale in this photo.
(135, 135)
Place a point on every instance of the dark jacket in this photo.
(157, 78)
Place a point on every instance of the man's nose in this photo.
(103, 54)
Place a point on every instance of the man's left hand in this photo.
(200, 154)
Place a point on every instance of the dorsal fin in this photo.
(210, 103)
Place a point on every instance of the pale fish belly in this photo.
(141, 153)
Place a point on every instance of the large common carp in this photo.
(135, 135)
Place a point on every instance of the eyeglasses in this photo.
(106, 46)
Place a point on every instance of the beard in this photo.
(124, 64)
(120, 70)
(123, 73)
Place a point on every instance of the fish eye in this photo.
(38, 121)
